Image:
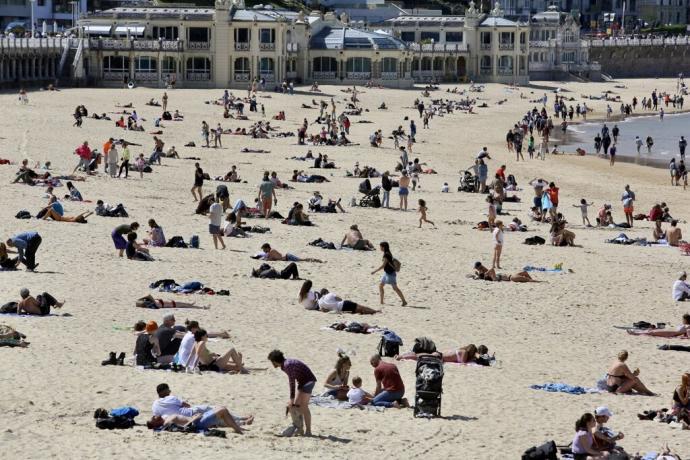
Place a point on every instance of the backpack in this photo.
(546, 451)
(390, 344)
(176, 242)
(23, 214)
(397, 265)
(423, 345)
(534, 240)
(112, 423)
(194, 242)
(9, 307)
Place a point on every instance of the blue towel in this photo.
(189, 286)
(560, 388)
(126, 411)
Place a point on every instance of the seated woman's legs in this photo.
(224, 361)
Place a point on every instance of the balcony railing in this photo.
(268, 76)
(241, 76)
(267, 46)
(124, 44)
(292, 47)
(242, 46)
(324, 75)
(440, 47)
(389, 75)
(35, 43)
(358, 75)
(485, 46)
(506, 46)
(198, 45)
(146, 76)
(115, 76)
(505, 71)
(485, 71)
(198, 76)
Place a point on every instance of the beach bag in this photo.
(9, 307)
(423, 345)
(194, 242)
(534, 240)
(390, 344)
(113, 423)
(546, 451)
(397, 265)
(126, 411)
(23, 214)
(176, 242)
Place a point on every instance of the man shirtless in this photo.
(354, 239)
(272, 255)
(483, 273)
(674, 234)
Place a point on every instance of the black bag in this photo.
(423, 345)
(176, 242)
(9, 307)
(643, 325)
(23, 214)
(546, 451)
(534, 240)
(390, 344)
(112, 423)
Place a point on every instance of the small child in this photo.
(583, 208)
(136, 251)
(530, 147)
(445, 188)
(491, 218)
(140, 164)
(422, 210)
(356, 395)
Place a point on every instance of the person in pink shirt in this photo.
(84, 153)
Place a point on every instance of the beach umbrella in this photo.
(44, 29)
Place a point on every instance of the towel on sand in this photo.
(327, 401)
(564, 388)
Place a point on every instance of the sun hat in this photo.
(603, 411)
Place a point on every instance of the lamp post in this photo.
(432, 60)
(33, 24)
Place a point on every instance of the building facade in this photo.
(60, 12)
(230, 45)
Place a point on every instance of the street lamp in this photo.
(432, 60)
(33, 24)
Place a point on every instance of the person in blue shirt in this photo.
(27, 244)
(74, 194)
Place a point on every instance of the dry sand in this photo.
(557, 331)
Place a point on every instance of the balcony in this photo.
(125, 45)
(506, 46)
(440, 47)
(146, 76)
(358, 75)
(242, 46)
(198, 45)
(323, 75)
(267, 46)
(115, 76)
(241, 76)
(292, 47)
(485, 46)
(389, 75)
(505, 71)
(198, 76)
(485, 71)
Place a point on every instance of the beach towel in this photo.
(564, 388)
(331, 403)
(546, 202)
(558, 269)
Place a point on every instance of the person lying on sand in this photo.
(467, 354)
(53, 214)
(155, 304)
(272, 255)
(620, 379)
(39, 305)
(354, 239)
(483, 273)
(682, 331)
(328, 301)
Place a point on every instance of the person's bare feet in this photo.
(404, 304)
(404, 403)
(59, 304)
(249, 420)
(396, 404)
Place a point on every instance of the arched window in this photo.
(266, 66)
(242, 66)
(358, 65)
(389, 65)
(485, 66)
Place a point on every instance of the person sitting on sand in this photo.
(583, 442)
(658, 233)
(483, 273)
(620, 379)
(354, 239)
(682, 331)
(7, 262)
(297, 216)
(674, 235)
(146, 348)
(559, 235)
(156, 236)
(155, 304)
(136, 251)
(39, 305)
(681, 288)
(329, 301)
(207, 361)
(336, 382)
(167, 408)
(467, 354)
(272, 255)
(390, 389)
(681, 400)
(357, 396)
(604, 437)
(171, 153)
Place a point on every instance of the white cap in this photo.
(603, 411)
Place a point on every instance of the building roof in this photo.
(264, 15)
(492, 21)
(348, 38)
(172, 12)
(427, 20)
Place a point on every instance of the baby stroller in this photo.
(371, 197)
(429, 386)
(467, 182)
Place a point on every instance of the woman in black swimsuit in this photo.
(154, 304)
(620, 379)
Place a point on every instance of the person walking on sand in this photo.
(497, 236)
(205, 133)
(165, 100)
(112, 161)
(299, 373)
(125, 160)
(404, 189)
(215, 214)
(628, 200)
(198, 182)
(422, 213)
(390, 267)
(682, 144)
(266, 192)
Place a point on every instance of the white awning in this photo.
(131, 29)
(97, 29)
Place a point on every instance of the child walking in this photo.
(583, 208)
(422, 211)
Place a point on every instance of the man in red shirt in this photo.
(390, 388)
(501, 172)
(84, 153)
(106, 149)
(553, 195)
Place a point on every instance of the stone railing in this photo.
(358, 75)
(292, 47)
(672, 41)
(198, 76)
(242, 46)
(485, 46)
(267, 46)
(389, 75)
(198, 45)
(505, 71)
(506, 46)
(124, 44)
(440, 47)
(146, 76)
(241, 76)
(268, 76)
(117, 76)
(38, 43)
(485, 71)
(323, 75)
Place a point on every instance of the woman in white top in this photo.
(338, 378)
(308, 298)
(498, 244)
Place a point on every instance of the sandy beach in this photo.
(560, 330)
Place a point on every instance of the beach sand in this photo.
(556, 331)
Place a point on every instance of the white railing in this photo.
(440, 47)
(506, 46)
(505, 71)
(674, 41)
(323, 75)
(541, 44)
(198, 76)
(124, 44)
(198, 45)
(117, 76)
(358, 75)
(485, 46)
(292, 47)
(241, 76)
(389, 75)
(242, 46)
(51, 43)
(146, 76)
(267, 46)
(485, 71)
(268, 76)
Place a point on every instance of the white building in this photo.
(62, 12)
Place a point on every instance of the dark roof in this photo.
(348, 38)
